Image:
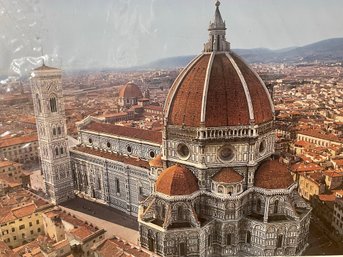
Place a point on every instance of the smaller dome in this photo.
(177, 180)
(156, 162)
(273, 175)
(130, 90)
(227, 175)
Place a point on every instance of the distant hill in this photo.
(330, 50)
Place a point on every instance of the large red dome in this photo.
(218, 89)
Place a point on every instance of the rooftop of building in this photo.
(272, 174)
(116, 247)
(120, 131)
(112, 156)
(18, 140)
(227, 175)
(177, 180)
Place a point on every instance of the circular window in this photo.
(183, 150)
(108, 144)
(129, 149)
(262, 147)
(226, 153)
(90, 140)
(152, 154)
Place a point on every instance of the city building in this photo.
(221, 191)
(46, 86)
(129, 95)
(337, 221)
(21, 217)
(111, 163)
(22, 149)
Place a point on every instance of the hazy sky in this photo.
(122, 33)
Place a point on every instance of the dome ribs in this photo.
(224, 96)
(186, 106)
(260, 100)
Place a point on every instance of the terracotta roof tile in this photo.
(156, 162)
(227, 175)
(23, 211)
(18, 140)
(226, 98)
(273, 175)
(81, 232)
(130, 90)
(115, 157)
(177, 180)
(226, 101)
(136, 133)
(260, 101)
(189, 96)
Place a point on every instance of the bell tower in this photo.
(46, 85)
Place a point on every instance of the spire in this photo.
(218, 20)
(217, 31)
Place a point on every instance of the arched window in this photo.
(279, 241)
(39, 105)
(276, 206)
(258, 205)
(163, 211)
(61, 150)
(59, 130)
(248, 238)
(117, 186)
(54, 131)
(56, 151)
(228, 239)
(180, 212)
(209, 240)
(99, 183)
(53, 104)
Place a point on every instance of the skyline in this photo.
(124, 33)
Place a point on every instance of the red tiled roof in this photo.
(189, 96)
(18, 140)
(115, 157)
(273, 175)
(81, 232)
(227, 175)
(130, 90)
(136, 133)
(321, 134)
(24, 210)
(305, 167)
(226, 102)
(156, 162)
(177, 180)
(115, 247)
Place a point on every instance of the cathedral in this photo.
(207, 185)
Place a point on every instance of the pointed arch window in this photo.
(258, 206)
(59, 130)
(56, 151)
(61, 150)
(248, 238)
(276, 206)
(53, 104)
(99, 183)
(39, 105)
(54, 131)
(179, 213)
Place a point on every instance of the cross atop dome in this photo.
(217, 41)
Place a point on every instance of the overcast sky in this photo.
(123, 33)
